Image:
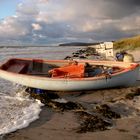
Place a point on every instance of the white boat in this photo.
(38, 73)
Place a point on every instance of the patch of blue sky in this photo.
(8, 7)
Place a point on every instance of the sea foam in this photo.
(17, 112)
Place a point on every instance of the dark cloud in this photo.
(125, 2)
(43, 21)
(121, 8)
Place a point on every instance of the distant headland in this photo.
(77, 44)
(131, 43)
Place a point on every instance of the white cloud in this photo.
(28, 8)
(36, 26)
(11, 27)
(71, 19)
(43, 1)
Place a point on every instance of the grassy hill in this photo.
(128, 43)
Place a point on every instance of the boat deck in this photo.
(17, 68)
(39, 68)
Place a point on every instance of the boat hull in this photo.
(124, 79)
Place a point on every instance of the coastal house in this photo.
(105, 49)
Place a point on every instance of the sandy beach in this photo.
(136, 54)
(56, 125)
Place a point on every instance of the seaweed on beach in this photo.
(65, 106)
(82, 53)
(131, 96)
(48, 99)
(44, 97)
(99, 120)
(92, 123)
(90, 51)
(107, 112)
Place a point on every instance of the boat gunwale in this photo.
(132, 67)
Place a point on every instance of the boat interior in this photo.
(69, 69)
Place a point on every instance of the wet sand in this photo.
(53, 125)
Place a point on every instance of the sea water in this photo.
(16, 110)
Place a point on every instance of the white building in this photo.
(105, 49)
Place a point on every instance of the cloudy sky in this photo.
(43, 22)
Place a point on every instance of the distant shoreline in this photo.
(37, 46)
